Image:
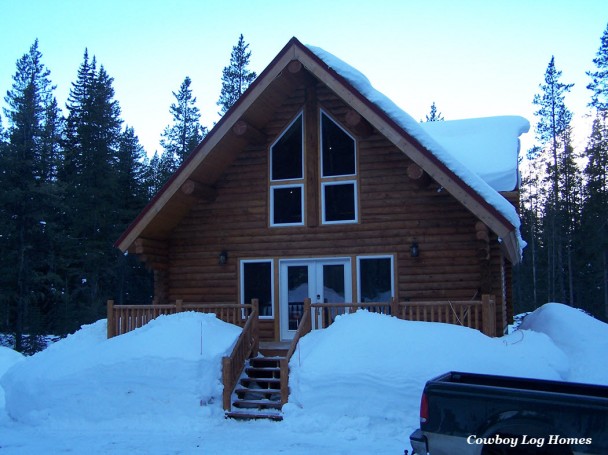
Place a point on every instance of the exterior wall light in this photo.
(223, 257)
(414, 250)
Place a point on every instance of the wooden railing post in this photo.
(179, 305)
(307, 309)
(110, 322)
(227, 381)
(255, 313)
(394, 308)
(284, 364)
(488, 314)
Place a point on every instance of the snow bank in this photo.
(161, 372)
(8, 358)
(355, 387)
(581, 337)
(372, 366)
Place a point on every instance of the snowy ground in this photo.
(355, 387)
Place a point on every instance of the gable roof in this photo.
(171, 203)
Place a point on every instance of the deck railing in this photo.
(246, 346)
(476, 314)
(124, 318)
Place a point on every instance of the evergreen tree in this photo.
(185, 133)
(133, 283)
(29, 195)
(599, 77)
(560, 183)
(594, 248)
(89, 174)
(434, 115)
(236, 77)
(595, 206)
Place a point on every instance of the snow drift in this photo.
(160, 372)
(355, 387)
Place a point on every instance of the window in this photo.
(339, 202)
(338, 149)
(287, 177)
(286, 153)
(338, 166)
(286, 204)
(256, 283)
(376, 278)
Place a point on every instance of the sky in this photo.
(472, 58)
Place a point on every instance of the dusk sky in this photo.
(472, 58)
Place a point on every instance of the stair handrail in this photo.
(304, 327)
(246, 346)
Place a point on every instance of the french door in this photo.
(326, 280)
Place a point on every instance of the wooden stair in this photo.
(258, 392)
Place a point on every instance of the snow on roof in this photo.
(487, 146)
(441, 142)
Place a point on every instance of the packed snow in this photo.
(488, 146)
(464, 165)
(354, 387)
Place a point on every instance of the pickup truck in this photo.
(466, 413)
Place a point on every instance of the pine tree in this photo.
(28, 197)
(599, 78)
(434, 115)
(594, 249)
(91, 179)
(133, 283)
(595, 208)
(555, 153)
(185, 133)
(236, 77)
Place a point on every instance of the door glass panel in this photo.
(297, 283)
(333, 283)
(333, 290)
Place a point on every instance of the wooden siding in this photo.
(393, 212)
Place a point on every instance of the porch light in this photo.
(223, 257)
(414, 250)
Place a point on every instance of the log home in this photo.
(315, 187)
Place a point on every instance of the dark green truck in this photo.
(466, 413)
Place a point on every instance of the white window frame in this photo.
(242, 283)
(377, 256)
(302, 201)
(355, 196)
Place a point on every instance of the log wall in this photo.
(394, 211)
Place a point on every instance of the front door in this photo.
(321, 280)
